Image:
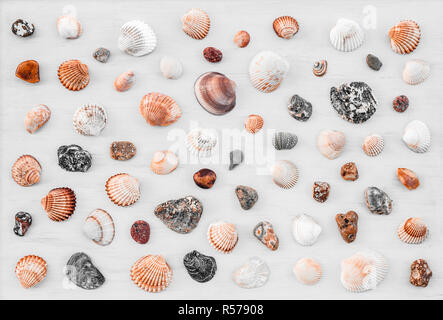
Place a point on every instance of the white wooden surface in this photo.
(101, 21)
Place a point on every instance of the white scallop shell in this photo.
(305, 230)
(137, 38)
(90, 120)
(417, 136)
(373, 145)
(67, 25)
(171, 67)
(346, 35)
(164, 162)
(99, 227)
(284, 174)
(201, 142)
(307, 271)
(416, 71)
(330, 143)
(267, 70)
(253, 274)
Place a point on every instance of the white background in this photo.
(101, 20)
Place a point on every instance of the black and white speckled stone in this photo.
(247, 196)
(284, 140)
(22, 28)
(373, 62)
(101, 54)
(200, 267)
(353, 102)
(81, 271)
(235, 158)
(299, 108)
(23, 221)
(377, 201)
(73, 158)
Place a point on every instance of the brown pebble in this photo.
(205, 178)
(349, 171)
(212, 54)
(140, 231)
(408, 178)
(242, 38)
(28, 71)
(320, 191)
(420, 273)
(347, 225)
(122, 150)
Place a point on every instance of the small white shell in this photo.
(373, 145)
(307, 271)
(267, 70)
(416, 71)
(90, 120)
(201, 142)
(305, 230)
(99, 227)
(346, 35)
(417, 136)
(164, 162)
(284, 174)
(330, 143)
(137, 38)
(253, 274)
(67, 25)
(171, 67)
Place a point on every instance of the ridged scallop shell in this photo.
(363, 271)
(73, 75)
(171, 67)
(67, 25)
(405, 36)
(159, 109)
(307, 271)
(330, 143)
(164, 162)
(319, 68)
(285, 27)
(417, 136)
(26, 171)
(346, 35)
(90, 120)
(137, 38)
(59, 204)
(215, 92)
(222, 236)
(267, 70)
(30, 270)
(37, 117)
(416, 71)
(124, 81)
(284, 140)
(254, 123)
(99, 227)
(305, 230)
(196, 23)
(373, 145)
(123, 189)
(253, 274)
(284, 174)
(413, 231)
(201, 142)
(151, 273)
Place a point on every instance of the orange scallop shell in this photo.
(59, 204)
(73, 75)
(37, 117)
(26, 171)
(124, 81)
(159, 109)
(285, 27)
(151, 273)
(196, 23)
(222, 236)
(254, 123)
(413, 231)
(123, 189)
(30, 270)
(405, 36)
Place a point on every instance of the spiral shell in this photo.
(254, 123)
(164, 162)
(137, 38)
(413, 231)
(37, 117)
(215, 93)
(267, 71)
(26, 171)
(171, 67)
(319, 68)
(417, 136)
(373, 145)
(201, 142)
(307, 271)
(284, 174)
(405, 36)
(151, 273)
(285, 27)
(73, 75)
(124, 81)
(159, 109)
(67, 25)
(90, 120)
(222, 236)
(330, 143)
(346, 35)
(416, 71)
(305, 230)
(123, 189)
(99, 227)
(59, 204)
(196, 23)
(30, 270)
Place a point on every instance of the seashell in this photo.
(330, 143)
(137, 38)
(377, 201)
(253, 274)
(124, 81)
(196, 23)
(416, 71)
(28, 71)
(164, 162)
(90, 120)
(363, 271)
(236, 157)
(99, 227)
(242, 38)
(215, 92)
(26, 171)
(37, 117)
(30, 270)
(319, 68)
(285, 27)
(67, 25)
(417, 136)
(151, 273)
(73, 75)
(413, 231)
(373, 145)
(82, 272)
(159, 109)
(307, 271)
(267, 70)
(171, 67)
(254, 123)
(405, 36)
(346, 35)
(201, 142)
(284, 140)
(408, 178)
(59, 204)
(222, 236)
(305, 230)
(123, 189)
(284, 174)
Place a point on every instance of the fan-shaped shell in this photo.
(73, 75)
(267, 70)
(30, 270)
(253, 274)
(37, 117)
(164, 162)
(373, 145)
(215, 92)
(413, 231)
(123, 189)
(330, 143)
(346, 35)
(254, 123)
(26, 171)
(124, 81)
(284, 174)
(59, 204)
(159, 109)
(90, 120)
(405, 36)
(171, 67)
(305, 230)
(416, 71)
(285, 27)
(417, 136)
(201, 142)
(307, 271)
(137, 38)
(222, 236)
(319, 68)
(196, 23)
(99, 227)
(67, 25)
(151, 273)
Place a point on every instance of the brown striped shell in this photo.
(124, 81)
(254, 123)
(59, 204)
(151, 273)
(37, 117)
(222, 236)
(159, 109)
(319, 68)
(123, 189)
(215, 92)
(405, 36)
(30, 270)
(73, 75)
(413, 231)
(26, 171)
(196, 23)
(285, 27)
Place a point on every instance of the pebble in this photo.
(373, 62)
(22, 28)
(400, 103)
(420, 273)
(264, 231)
(200, 267)
(247, 196)
(23, 221)
(299, 108)
(205, 178)
(212, 54)
(320, 191)
(140, 231)
(349, 171)
(101, 54)
(73, 158)
(122, 150)
(81, 271)
(235, 158)
(347, 225)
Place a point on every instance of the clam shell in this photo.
(30, 270)
(73, 75)
(159, 109)
(417, 136)
(373, 145)
(164, 162)
(285, 27)
(26, 171)
(123, 189)
(59, 204)
(253, 274)
(196, 23)
(408, 178)
(305, 230)
(124, 81)
(330, 143)
(137, 38)
(222, 236)
(67, 25)
(405, 36)
(307, 271)
(215, 92)
(377, 201)
(413, 231)
(284, 174)
(171, 67)
(267, 70)
(254, 123)
(319, 68)
(284, 140)
(90, 120)
(37, 117)
(201, 142)
(346, 35)
(99, 227)
(151, 273)
(416, 71)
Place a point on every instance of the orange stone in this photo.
(28, 71)
(408, 178)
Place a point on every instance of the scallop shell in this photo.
(253, 274)
(307, 271)
(90, 120)
(59, 204)
(151, 273)
(284, 174)
(73, 75)
(267, 70)
(373, 145)
(285, 27)
(215, 92)
(222, 236)
(171, 67)
(405, 36)
(37, 117)
(164, 162)
(67, 25)
(30, 270)
(305, 230)
(137, 38)
(416, 71)
(346, 35)
(284, 140)
(417, 136)
(99, 227)
(123, 189)
(254, 123)
(363, 271)
(196, 23)
(413, 231)
(319, 68)
(124, 81)
(159, 109)
(201, 142)
(330, 143)
(26, 171)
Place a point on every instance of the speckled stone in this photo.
(377, 201)
(205, 178)
(349, 171)
(420, 273)
(235, 158)
(373, 62)
(299, 108)
(200, 267)
(247, 196)
(22, 28)
(264, 232)
(81, 271)
(23, 221)
(101, 54)
(347, 225)
(320, 191)
(400, 103)
(122, 150)
(140, 231)
(73, 158)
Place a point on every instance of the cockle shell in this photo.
(73, 75)
(319, 68)
(417, 136)
(330, 143)
(307, 271)
(26, 171)
(99, 227)
(215, 92)
(123, 189)
(201, 142)
(222, 236)
(171, 67)
(305, 230)
(137, 38)
(284, 174)
(253, 274)
(90, 120)
(416, 71)
(159, 109)
(408, 178)
(164, 162)
(405, 36)
(373, 145)
(59, 204)
(377, 201)
(196, 23)
(285, 27)
(363, 271)
(124, 81)
(413, 231)
(284, 140)
(30, 270)
(254, 123)
(37, 117)
(346, 35)
(67, 25)
(267, 70)
(151, 273)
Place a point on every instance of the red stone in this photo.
(140, 231)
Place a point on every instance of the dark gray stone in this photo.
(235, 158)
(101, 54)
(200, 267)
(247, 196)
(73, 158)
(299, 108)
(373, 62)
(23, 221)
(81, 271)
